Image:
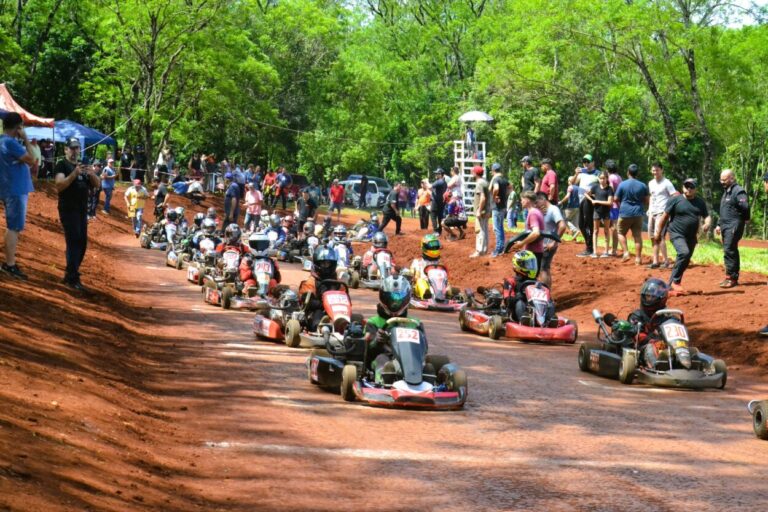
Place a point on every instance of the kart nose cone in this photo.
(684, 357)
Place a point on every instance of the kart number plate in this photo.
(192, 273)
(537, 294)
(206, 245)
(384, 258)
(437, 274)
(675, 332)
(262, 267)
(338, 299)
(407, 335)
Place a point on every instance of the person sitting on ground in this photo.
(456, 221)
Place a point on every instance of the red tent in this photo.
(8, 103)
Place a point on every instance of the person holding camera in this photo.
(15, 186)
(73, 182)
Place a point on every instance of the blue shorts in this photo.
(15, 212)
(335, 206)
(614, 214)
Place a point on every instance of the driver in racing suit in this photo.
(526, 268)
(279, 232)
(653, 297)
(258, 244)
(311, 291)
(379, 244)
(430, 252)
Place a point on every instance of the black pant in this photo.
(437, 217)
(423, 217)
(586, 211)
(684, 247)
(93, 201)
(282, 196)
(390, 215)
(75, 226)
(732, 233)
(361, 202)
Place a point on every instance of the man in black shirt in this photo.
(392, 211)
(683, 213)
(161, 194)
(531, 179)
(734, 213)
(306, 206)
(363, 191)
(73, 181)
(438, 201)
(126, 158)
(139, 163)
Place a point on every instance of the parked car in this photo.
(375, 198)
(384, 186)
(298, 182)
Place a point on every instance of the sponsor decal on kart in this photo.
(207, 245)
(383, 258)
(192, 273)
(212, 295)
(262, 266)
(675, 332)
(313, 369)
(337, 299)
(594, 361)
(405, 335)
(261, 325)
(537, 294)
(231, 260)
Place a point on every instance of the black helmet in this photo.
(211, 213)
(233, 234)
(309, 228)
(394, 295)
(172, 216)
(198, 220)
(324, 262)
(259, 243)
(209, 226)
(654, 295)
(380, 240)
(493, 298)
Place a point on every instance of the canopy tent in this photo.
(64, 129)
(8, 103)
(475, 115)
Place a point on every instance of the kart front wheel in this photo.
(760, 420)
(584, 355)
(462, 319)
(226, 297)
(293, 333)
(354, 279)
(348, 378)
(458, 380)
(495, 327)
(627, 368)
(720, 367)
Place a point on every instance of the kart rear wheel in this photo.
(462, 320)
(495, 327)
(348, 378)
(437, 362)
(200, 278)
(760, 420)
(226, 297)
(584, 354)
(575, 329)
(179, 263)
(627, 368)
(458, 380)
(354, 279)
(293, 333)
(720, 367)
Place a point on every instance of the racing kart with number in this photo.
(413, 380)
(202, 261)
(620, 354)
(363, 230)
(434, 293)
(154, 236)
(257, 297)
(372, 267)
(270, 323)
(222, 276)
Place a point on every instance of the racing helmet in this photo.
(430, 247)
(524, 264)
(172, 216)
(274, 221)
(309, 228)
(493, 299)
(288, 221)
(209, 226)
(264, 213)
(375, 218)
(233, 234)
(180, 212)
(394, 295)
(324, 262)
(259, 243)
(380, 240)
(654, 295)
(211, 214)
(340, 233)
(198, 220)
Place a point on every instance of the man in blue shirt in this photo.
(15, 186)
(108, 176)
(632, 196)
(231, 200)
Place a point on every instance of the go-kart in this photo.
(373, 267)
(279, 250)
(305, 253)
(538, 324)
(179, 251)
(413, 379)
(434, 293)
(620, 354)
(363, 230)
(270, 323)
(344, 271)
(253, 298)
(154, 236)
(759, 411)
(202, 261)
(220, 277)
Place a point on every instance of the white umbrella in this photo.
(475, 115)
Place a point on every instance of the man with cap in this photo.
(682, 213)
(306, 207)
(73, 181)
(108, 176)
(499, 188)
(391, 210)
(231, 200)
(584, 177)
(439, 186)
(734, 214)
(336, 196)
(135, 197)
(481, 207)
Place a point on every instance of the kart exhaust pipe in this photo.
(597, 315)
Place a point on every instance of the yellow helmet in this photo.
(430, 247)
(524, 264)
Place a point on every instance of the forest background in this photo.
(329, 88)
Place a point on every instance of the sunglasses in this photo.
(689, 186)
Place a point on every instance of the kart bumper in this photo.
(689, 379)
(564, 334)
(476, 321)
(433, 305)
(267, 328)
(250, 303)
(212, 296)
(431, 400)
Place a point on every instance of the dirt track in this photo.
(195, 414)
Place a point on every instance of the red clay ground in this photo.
(140, 397)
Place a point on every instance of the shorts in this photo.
(546, 258)
(16, 212)
(455, 222)
(653, 221)
(633, 224)
(614, 216)
(335, 206)
(601, 215)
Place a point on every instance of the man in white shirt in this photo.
(661, 190)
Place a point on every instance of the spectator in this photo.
(36, 168)
(734, 213)
(48, 149)
(470, 142)
(211, 172)
(139, 163)
(682, 215)
(661, 190)
(534, 224)
(108, 176)
(337, 199)
(456, 218)
(231, 200)
(160, 195)
(570, 202)
(423, 200)
(412, 195)
(239, 178)
(164, 158)
(513, 207)
(530, 180)
(283, 181)
(195, 191)
(554, 224)
(499, 187)
(438, 201)
(481, 207)
(268, 187)
(195, 166)
(632, 196)
(15, 186)
(549, 181)
(257, 178)
(135, 197)
(253, 201)
(601, 197)
(615, 180)
(363, 202)
(402, 196)
(94, 192)
(73, 180)
(764, 330)
(391, 210)
(584, 178)
(306, 206)
(126, 159)
(454, 182)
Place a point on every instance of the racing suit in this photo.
(379, 351)
(517, 302)
(281, 235)
(649, 343)
(245, 271)
(311, 299)
(419, 277)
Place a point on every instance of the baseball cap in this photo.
(690, 183)
(110, 160)
(526, 160)
(137, 182)
(335, 180)
(72, 142)
(438, 171)
(586, 158)
(478, 170)
(228, 176)
(496, 167)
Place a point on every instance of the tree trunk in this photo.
(707, 168)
